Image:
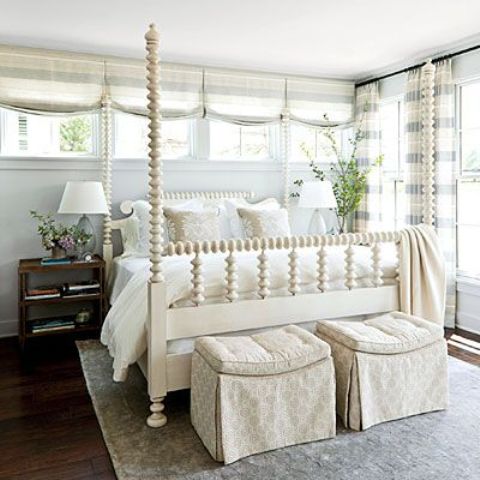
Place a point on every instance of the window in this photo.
(392, 142)
(41, 135)
(131, 137)
(232, 142)
(310, 143)
(468, 186)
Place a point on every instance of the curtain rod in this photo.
(413, 67)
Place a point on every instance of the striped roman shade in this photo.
(243, 98)
(181, 88)
(48, 81)
(59, 82)
(310, 99)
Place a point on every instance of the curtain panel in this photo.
(367, 119)
(46, 81)
(444, 162)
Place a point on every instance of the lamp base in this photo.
(86, 225)
(317, 224)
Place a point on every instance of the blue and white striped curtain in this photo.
(445, 167)
(367, 117)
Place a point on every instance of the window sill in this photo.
(141, 164)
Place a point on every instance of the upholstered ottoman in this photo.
(386, 368)
(256, 393)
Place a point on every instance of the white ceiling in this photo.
(341, 38)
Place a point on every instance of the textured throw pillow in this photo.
(232, 206)
(135, 231)
(265, 223)
(184, 226)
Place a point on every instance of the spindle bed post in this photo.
(428, 141)
(157, 331)
(106, 153)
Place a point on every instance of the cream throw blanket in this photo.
(422, 274)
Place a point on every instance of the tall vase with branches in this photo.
(349, 179)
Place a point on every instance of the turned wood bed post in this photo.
(428, 142)
(106, 152)
(157, 307)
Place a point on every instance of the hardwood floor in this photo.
(48, 429)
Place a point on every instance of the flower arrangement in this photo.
(349, 180)
(56, 235)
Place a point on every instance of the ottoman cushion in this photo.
(386, 368)
(266, 353)
(262, 392)
(393, 332)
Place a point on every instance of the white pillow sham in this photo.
(265, 223)
(234, 220)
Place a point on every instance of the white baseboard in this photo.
(468, 322)
(8, 328)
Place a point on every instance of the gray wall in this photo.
(38, 184)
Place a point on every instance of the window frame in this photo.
(192, 136)
(95, 139)
(470, 177)
(273, 144)
(397, 177)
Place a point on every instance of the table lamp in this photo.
(84, 198)
(317, 195)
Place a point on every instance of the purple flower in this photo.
(67, 242)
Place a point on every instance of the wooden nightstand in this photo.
(40, 316)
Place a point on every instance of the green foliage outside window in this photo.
(75, 134)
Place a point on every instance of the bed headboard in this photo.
(172, 197)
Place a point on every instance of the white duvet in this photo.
(124, 330)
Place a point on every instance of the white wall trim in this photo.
(8, 328)
(468, 322)
(141, 164)
(468, 285)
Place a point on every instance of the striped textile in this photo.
(49, 81)
(445, 167)
(367, 117)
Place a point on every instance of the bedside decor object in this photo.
(58, 238)
(83, 316)
(349, 179)
(317, 195)
(84, 198)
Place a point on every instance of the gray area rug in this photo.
(436, 446)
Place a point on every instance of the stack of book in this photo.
(42, 293)
(53, 325)
(90, 287)
(55, 261)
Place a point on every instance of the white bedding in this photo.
(124, 330)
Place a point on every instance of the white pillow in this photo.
(265, 223)
(231, 206)
(136, 231)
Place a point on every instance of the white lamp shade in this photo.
(83, 198)
(317, 195)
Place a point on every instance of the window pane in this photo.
(228, 141)
(303, 143)
(468, 197)
(470, 106)
(470, 140)
(255, 142)
(131, 137)
(390, 136)
(388, 204)
(38, 135)
(325, 149)
(468, 241)
(224, 140)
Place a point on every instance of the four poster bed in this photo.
(296, 279)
